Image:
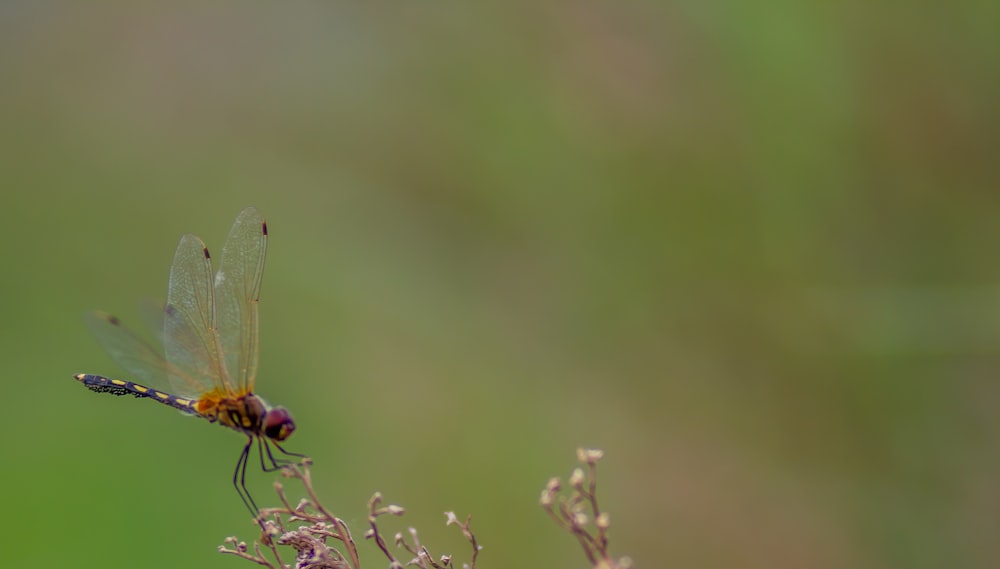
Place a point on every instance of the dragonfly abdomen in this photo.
(120, 387)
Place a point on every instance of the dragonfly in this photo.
(209, 329)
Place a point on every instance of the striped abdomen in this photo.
(247, 413)
(122, 387)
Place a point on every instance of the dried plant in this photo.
(316, 540)
(579, 513)
(322, 540)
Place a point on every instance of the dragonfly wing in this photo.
(128, 350)
(237, 292)
(151, 312)
(190, 338)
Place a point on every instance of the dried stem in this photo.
(311, 541)
(579, 513)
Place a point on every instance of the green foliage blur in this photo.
(748, 249)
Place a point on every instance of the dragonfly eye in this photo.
(278, 424)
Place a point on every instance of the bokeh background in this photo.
(748, 249)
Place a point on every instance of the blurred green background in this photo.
(749, 249)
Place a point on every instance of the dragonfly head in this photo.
(278, 424)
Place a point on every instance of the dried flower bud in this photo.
(271, 529)
(546, 498)
(554, 484)
(398, 539)
(446, 560)
(576, 479)
(452, 519)
(603, 521)
(369, 533)
(589, 455)
(395, 510)
(580, 519)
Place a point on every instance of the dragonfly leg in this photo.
(275, 463)
(240, 479)
(287, 453)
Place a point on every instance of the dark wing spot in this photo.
(205, 249)
(263, 227)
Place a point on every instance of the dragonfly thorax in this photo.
(248, 414)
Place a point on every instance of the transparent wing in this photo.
(190, 338)
(237, 292)
(151, 312)
(136, 356)
(128, 350)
